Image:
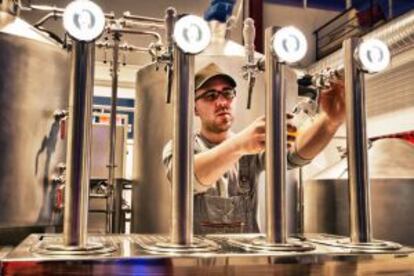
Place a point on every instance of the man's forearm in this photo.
(314, 139)
(210, 165)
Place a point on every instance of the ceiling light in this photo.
(192, 34)
(373, 55)
(289, 44)
(83, 20)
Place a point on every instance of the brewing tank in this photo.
(34, 82)
(391, 172)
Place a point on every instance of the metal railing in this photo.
(351, 22)
(398, 34)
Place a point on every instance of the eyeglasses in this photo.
(212, 95)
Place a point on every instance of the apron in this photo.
(235, 212)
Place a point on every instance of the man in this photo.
(227, 165)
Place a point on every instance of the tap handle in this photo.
(251, 81)
(249, 33)
(169, 72)
(170, 14)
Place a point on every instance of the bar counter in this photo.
(130, 259)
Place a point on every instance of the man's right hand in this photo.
(251, 140)
(210, 165)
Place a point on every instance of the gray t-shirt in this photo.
(230, 204)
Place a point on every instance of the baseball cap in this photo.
(210, 71)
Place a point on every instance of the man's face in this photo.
(216, 113)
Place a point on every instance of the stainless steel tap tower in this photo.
(181, 231)
(276, 155)
(75, 225)
(182, 163)
(357, 144)
(276, 161)
(75, 240)
(78, 152)
(275, 145)
(355, 68)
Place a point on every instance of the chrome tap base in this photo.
(57, 247)
(164, 246)
(375, 246)
(260, 244)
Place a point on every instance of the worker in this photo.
(227, 164)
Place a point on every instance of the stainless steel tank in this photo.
(100, 151)
(99, 171)
(391, 170)
(34, 79)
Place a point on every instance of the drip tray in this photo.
(133, 255)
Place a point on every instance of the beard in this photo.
(219, 125)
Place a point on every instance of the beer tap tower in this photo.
(190, 36)
(84, 21)
(360, 57)
(282, 46)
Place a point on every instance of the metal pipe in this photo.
(357, 144)
(122, 47)
(132, 48)
(149, 25)
(156, 35)
(118, 220)
(237, 12)
(390, 9)
(79, 141)
(128, 15)
(52, 9)
(275, 145)
(48, 16)
(182, 162)
(110, 226)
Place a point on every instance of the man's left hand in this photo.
(332, 102)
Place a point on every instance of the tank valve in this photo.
(59, 181)
(61, 116)
(58, 203)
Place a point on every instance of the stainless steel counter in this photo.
(131, 259)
